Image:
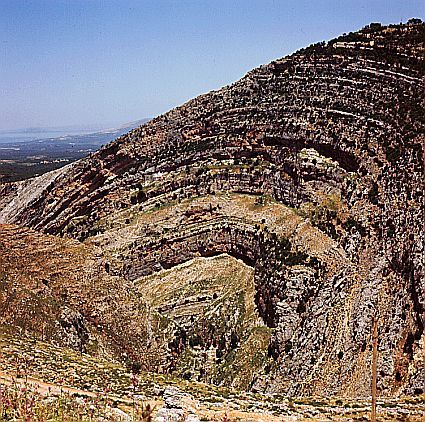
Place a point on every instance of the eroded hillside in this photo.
(307, 174)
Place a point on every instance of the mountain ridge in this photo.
(309, 169)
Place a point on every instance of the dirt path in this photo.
(43, 388)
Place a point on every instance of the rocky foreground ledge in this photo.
(81, 384)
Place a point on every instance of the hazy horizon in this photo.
(73, 128)
(34, 134)
(103, 63)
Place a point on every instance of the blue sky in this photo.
(103, 63)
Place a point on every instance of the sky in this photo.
(103, 63)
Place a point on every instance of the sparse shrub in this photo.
(21, 402)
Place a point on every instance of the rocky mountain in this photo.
(249, 237)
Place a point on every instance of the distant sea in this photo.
(26, 135)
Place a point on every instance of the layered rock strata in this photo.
(333, 135)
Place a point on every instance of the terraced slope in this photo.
(310, 171)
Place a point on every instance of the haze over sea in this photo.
(35, 134)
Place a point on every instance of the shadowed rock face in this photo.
(310, 170)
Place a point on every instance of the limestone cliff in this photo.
(310, 170)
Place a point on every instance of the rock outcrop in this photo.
(310, 170)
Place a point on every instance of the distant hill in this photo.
(25, 157)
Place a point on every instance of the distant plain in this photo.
(26, 153)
